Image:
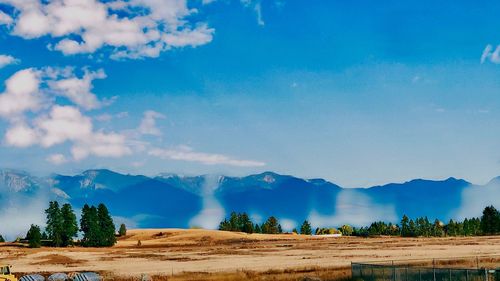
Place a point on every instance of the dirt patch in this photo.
(56, 259)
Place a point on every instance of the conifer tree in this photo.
(89, 225)
(69, 225)
(34, 236)
(54, 224)
(107, 228)
(490, 221)
(123, 230)
(306, 228)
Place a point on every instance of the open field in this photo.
(215, 255)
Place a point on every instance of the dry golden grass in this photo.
(215, 255)
(336, 274)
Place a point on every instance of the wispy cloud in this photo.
(491, 54)
(186, 153)
(7, 60)
(148, 123)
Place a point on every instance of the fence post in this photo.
(393, 272)
(434, 268)
(449, 270)
(419, 275)
(466, 275)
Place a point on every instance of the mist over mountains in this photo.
(170, 200)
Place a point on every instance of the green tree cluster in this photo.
(62, 226)
(241, 222)
(97, 227)
(34, 236)
(490, 221)
(422, 227)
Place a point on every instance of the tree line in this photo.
(487, 224)
(96, 225)
(241, 222)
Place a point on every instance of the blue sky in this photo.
(357, 92)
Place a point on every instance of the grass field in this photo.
(214, 255)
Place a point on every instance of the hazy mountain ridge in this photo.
(170, 200)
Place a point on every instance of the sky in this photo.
(357, 92)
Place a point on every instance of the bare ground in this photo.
(205, 254)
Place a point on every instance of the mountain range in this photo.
(170, 200)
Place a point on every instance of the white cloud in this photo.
(258, 12)
(257, 7)
(132, 29)
(106, 117)
(186, 153)
(6, 59)
(57, 159)
(5, 19)
(21, 94)
(50, 124)
(148, 123)
(490, 54)
(63, 123)
(101, 145)
(78, 90)
(21, 135)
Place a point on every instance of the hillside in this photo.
(170, 200)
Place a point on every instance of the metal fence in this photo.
(394, 272)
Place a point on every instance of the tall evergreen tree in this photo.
(271, 226)
(89, 225)
(123, 230)
(257, 228)
(405, 228)
(34, 236)
(69, 225)
(107, 228)
(490, 221)
(54, 224)
(306, 228)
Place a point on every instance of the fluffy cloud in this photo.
(20, 135)
(186, 153)
(68, 124)
(21, 94)
(57, 159)
(36, 116)
(63, 123)
(102, 145)
(6, 59)
(50, 124)
(78, 90)
(132, 29)
(148, 123)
